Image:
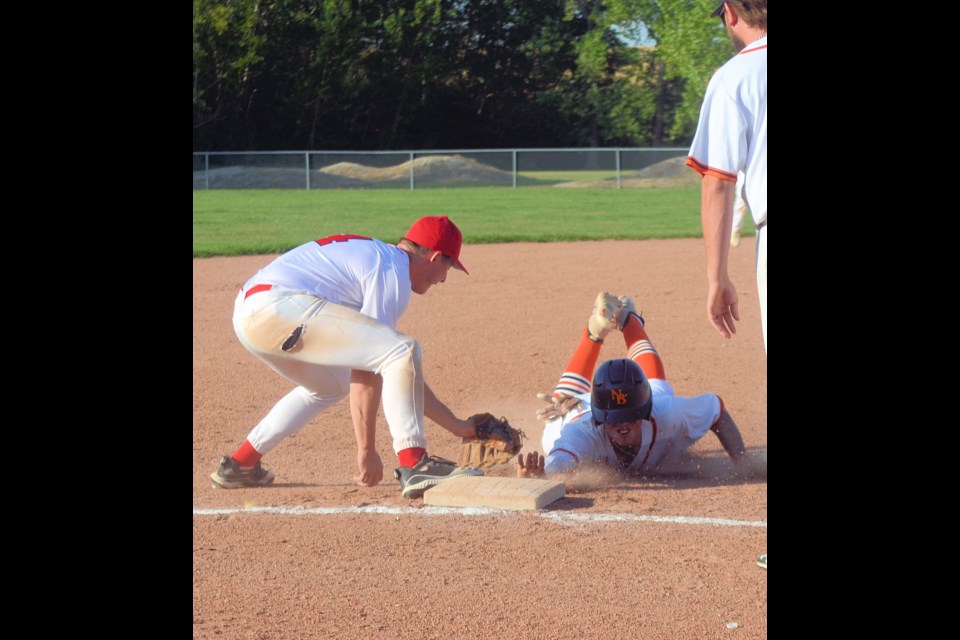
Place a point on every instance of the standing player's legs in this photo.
(762, 296)
(739, 213)
(762, 279)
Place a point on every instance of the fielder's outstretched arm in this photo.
(440, 413)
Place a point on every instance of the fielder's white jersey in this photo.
(732, 132)
(361, 273)
(675, 424)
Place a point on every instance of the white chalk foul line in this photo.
(559, 516)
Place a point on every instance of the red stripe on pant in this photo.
(257, 288)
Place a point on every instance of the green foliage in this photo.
(433, 74)
(690, 45)
(227, 52)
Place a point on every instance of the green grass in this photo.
(261, 221)
(547, 178)
(569, 176)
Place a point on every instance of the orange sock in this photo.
(246, 455)
(577, 378)
(640, 349)
(410, 457)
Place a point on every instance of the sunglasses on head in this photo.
(720, 12)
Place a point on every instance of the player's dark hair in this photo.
(753, 12)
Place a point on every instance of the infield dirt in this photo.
(655, 558)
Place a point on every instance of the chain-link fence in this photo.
(601, 167)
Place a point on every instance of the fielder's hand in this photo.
(371, 469)
(533, 467)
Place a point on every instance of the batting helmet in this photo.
(621, 392)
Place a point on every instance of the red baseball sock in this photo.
(410, 457)
(246, 455)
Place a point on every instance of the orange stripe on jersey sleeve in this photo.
(706, 170)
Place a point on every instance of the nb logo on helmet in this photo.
(618, 397)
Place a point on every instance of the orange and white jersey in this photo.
(675, 424)
(732, 132)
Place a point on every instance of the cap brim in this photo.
(459, 265)
(716, 12)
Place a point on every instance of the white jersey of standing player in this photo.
(724, 144)
(675, 423)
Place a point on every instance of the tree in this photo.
(227, 52)
(414, 74)
(690, 46)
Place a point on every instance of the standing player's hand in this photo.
(533, 467)
(371, 469)
(722, 307)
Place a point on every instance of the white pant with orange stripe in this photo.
(333, 340)
(762, 279)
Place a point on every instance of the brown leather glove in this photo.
(495, 442)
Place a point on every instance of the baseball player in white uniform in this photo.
(731, 137)
(324, 315)
(628, 418)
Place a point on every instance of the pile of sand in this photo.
(668, 173)
(453, 168)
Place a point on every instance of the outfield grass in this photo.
(261, 221)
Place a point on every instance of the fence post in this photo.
(514, 154)
(306, 162)
(618, 168)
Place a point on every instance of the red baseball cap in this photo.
(439, 234)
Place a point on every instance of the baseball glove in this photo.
(495, 442)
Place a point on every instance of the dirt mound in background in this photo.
(455, 167)
(673, 172)
(669, 173)
(270, 178)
